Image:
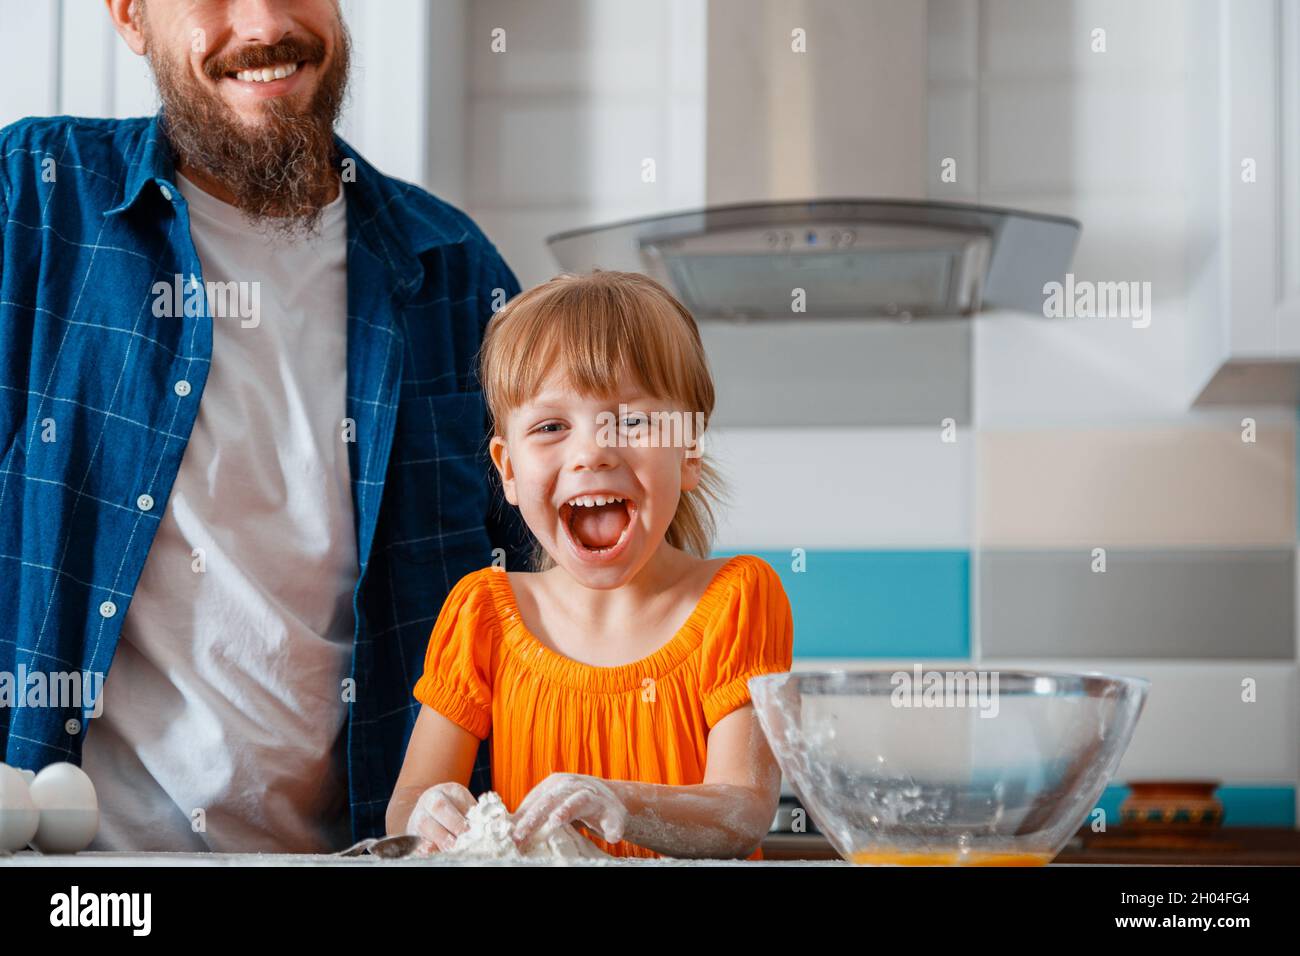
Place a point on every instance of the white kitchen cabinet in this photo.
(1245, 152)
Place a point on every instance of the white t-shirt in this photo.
(225, 692)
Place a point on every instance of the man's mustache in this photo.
(288, 50)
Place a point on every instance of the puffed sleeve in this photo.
(457, 665)
(750, 633)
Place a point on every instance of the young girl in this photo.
(613, 677)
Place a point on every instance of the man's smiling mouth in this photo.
(267, 74)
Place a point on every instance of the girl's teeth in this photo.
(590, 501)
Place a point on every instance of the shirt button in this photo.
(145, 502)
(182, 388)
(166, 193)
(107, 609)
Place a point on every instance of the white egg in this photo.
(19, 816)
(69, 809)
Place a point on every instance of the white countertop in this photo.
(89, 858)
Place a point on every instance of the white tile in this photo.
(562, 153)
(844, 488)
(1194, 723)
(574, 46)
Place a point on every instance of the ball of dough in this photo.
(489, 836)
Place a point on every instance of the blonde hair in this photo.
(594, 327)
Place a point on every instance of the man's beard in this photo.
(282, 172)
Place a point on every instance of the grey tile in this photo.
(1148, 604)
(875, 372)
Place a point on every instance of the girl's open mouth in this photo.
(598, 525)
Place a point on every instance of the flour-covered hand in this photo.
(568, 798)
(439, 816)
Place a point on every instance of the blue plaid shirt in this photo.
(92, 219)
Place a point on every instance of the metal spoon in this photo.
(389, 847)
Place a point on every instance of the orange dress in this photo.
(648, 720)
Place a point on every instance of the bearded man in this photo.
(242, 439)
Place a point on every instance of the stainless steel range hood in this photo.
(807, 307)
(854, 258)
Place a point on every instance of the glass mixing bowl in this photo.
(960, 767)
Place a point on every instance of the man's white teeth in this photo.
(268, 74)
(590, 501)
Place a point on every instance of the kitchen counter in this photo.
(28, 858)
(1229, 846)
(1240, 846)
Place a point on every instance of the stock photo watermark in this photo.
(933, 689)
(61, 690)
(658, 429)
(226, 300)
(1083, 299)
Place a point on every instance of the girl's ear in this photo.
(501, 459)
(692, 464)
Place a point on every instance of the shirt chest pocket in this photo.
(438, 470)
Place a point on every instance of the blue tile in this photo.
(1243, 806)
(910, 604)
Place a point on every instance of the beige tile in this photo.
(1166, 487)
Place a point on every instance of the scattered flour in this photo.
(489, 837)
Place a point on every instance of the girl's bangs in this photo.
(591, 341)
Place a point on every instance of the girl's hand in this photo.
(439, 816)
(567, 798)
